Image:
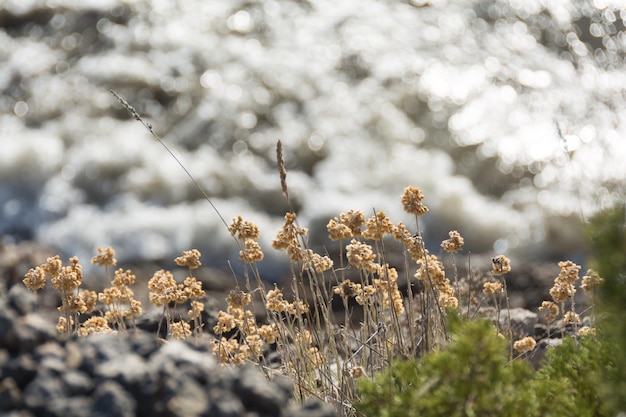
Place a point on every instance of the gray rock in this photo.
(22, 300)
(522, 321)
(179, 356)
(183, 396)
(7, 321)
(110, 399)
(70, 407)
(77, 383)
(134, 374)
(225, 404)
(51, 357)
(10, 395)
(257, 394)
(22, 369)
(41, 391)
(28, 332)
(311, 409)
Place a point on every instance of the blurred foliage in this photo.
(607, 236)
(474, 377)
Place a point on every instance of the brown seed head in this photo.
(412, 201)
(105, 257)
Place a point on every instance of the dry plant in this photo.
(322, 351)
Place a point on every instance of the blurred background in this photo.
(509, 115)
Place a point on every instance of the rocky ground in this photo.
(125, 375)
(44, 374)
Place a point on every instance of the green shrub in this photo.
(474, 377)
(607, 235)
(470, 377)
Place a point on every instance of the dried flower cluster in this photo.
(550, 310)
(247, 339)
(347, 226)
(500, 265)
(432, 273)
(164, 290)
(525, 345)
(67, 279)
(248, 233)
(289, 239)
(563, 287)
(490, 288)
(119, 300)
(454, 244)
(591, 281)
(412, 201)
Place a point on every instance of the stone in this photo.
(258, 394)
(22, 369)
(225, 404)
(41, 391)
(77, 383)
(69, 407)
(30, 331)
(311, 409)
(134, 374)
(184, 397)
(10, 395)
(22, 300)
(110, 399)
(7, 321)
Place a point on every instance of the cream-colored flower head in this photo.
(189, 258)
(105, 257)
(412, 201)
(525, 345)
(500, 265)
(454, 243)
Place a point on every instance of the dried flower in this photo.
(87, 301)
(96, 324)
(62, 325)
(287, 238)
(338, 230)
(454, 243)
(564, 283)
(251, 251)
(525, 345)
(163, 288)
(243, 229)
(357, 372)
(275, 301)
(35, 278)
(297, 308)
(225, 323)
(347, 289)
(570, 318)
(189, 258)
(412, 201)
(586, 331)
(431, 269)
(196, 309)
(500, 265)
(550, 309)
(193, 288)
(361, 255)
(378, 226)
(318, 262)
(53, 266)
(490, 288)
(181, 330)
(591, 281)
(105, 257)
(269, 332)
